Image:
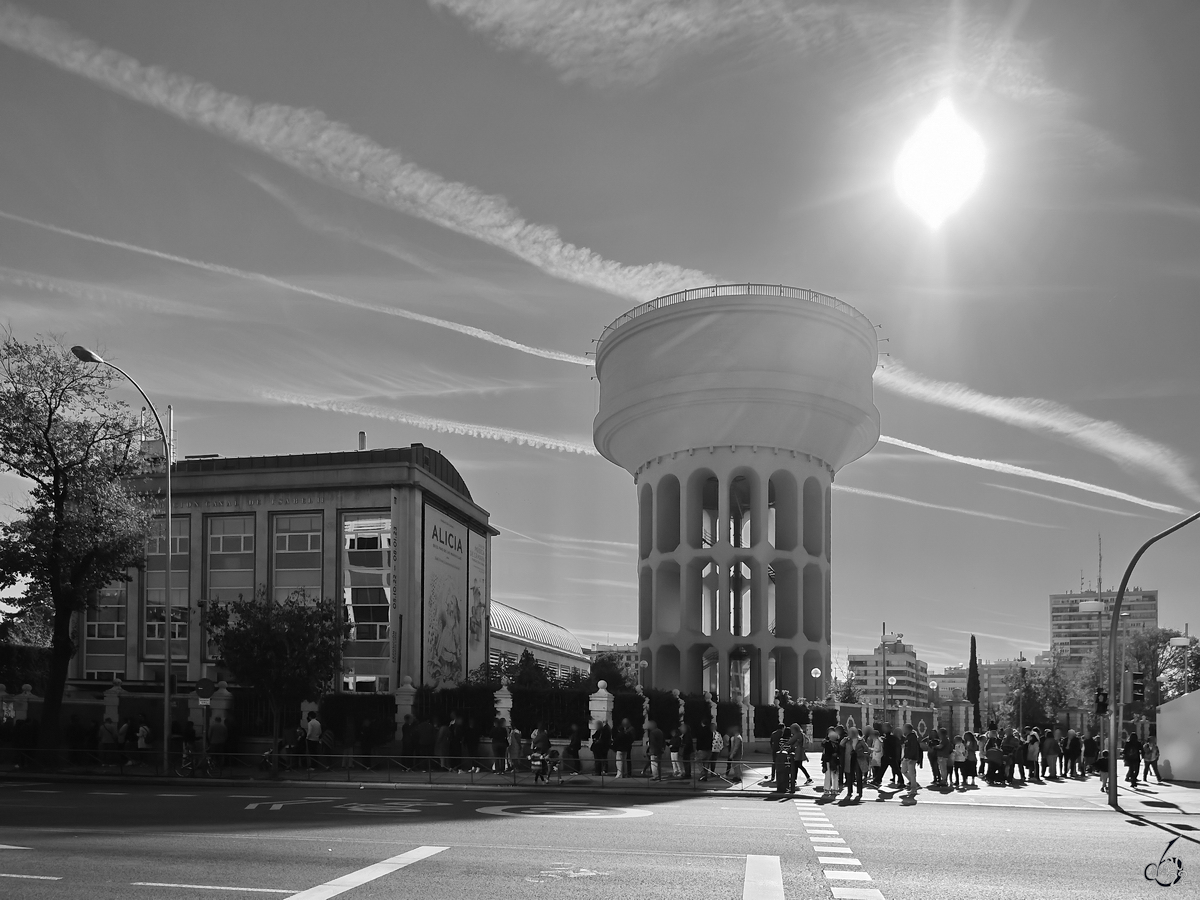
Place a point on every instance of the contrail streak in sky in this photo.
(992, 465)
(1047, 417)
(328, 151)
(967, 512)
(445, 426)
(1111, 512)
(469, 330)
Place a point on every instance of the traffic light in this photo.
(1101, 703)
(1137, 692)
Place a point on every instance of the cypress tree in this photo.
(973, 686)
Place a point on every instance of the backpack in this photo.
(718, 742)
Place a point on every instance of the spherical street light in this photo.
(940, 166)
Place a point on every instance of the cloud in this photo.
(992, 465)
(92, 293)
(1016, 490)
(967, 512)
(469, 330)
(443, 426)
(1109, 439)
(330, 152)
(903, 50)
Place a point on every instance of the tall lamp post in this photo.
(886, 638)
(1114, 673)
(86, 355)
(1097, 606)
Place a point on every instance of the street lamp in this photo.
(1113, 673)
(1185, 642)
(86, 355)
(886, 638)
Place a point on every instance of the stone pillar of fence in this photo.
(221, 703)
(504, 702)
(22, 701)
(600, 704)
(112, 702)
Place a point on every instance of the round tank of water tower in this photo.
(733, 406)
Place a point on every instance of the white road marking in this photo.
(843, 861)
(824, 849)
(42, 792)
(838, 874)
(13, 847)
(249, 796)
(177, 795)
(370, 873)
(36, 877)
(844, 893)
(818, 839)
(109, 793)
(276, 805)
(764, 879)
(212, 887)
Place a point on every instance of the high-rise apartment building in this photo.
(1074, 634)
(911, 674)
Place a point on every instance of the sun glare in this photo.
(940, 166)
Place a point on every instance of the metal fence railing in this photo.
(733, 290)
(694, 774)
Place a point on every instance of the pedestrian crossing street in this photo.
(764, 874)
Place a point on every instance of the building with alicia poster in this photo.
(392, 534)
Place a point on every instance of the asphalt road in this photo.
(213, 842)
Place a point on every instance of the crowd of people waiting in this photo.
(1005, 756)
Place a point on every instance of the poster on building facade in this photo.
(477, 600)
(445, 599)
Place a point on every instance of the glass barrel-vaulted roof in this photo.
(522, 626)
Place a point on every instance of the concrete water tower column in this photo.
(733, 406)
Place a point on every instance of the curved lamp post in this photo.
(1114, 674)
(86, 355)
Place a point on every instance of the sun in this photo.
(940, 166)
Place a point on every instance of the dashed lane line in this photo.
(34, 877)
(820, 831)
(211, 887)
(764, 879)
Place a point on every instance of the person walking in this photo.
(1011, 747)
(143, 741)
(687, 746)
(675, 748)
(797, 746)
(830, 760)
(499, 739)
(855, 758)
(218, 737)
(514, 748)
(1132, 754)
(776, 741)
(1074, 747)
(1049, 755)
(571, 754)
(601, 744)
(1031, 752)
(622, 743)
(945, 751)
(1102, 769)
(958, 759)
(704, 744)
(891, 754)
(1150, 758)
(875, 742)
(1091, 749)
(655, 745)
(108, 742)
(971, 765)
(312, 739)
(932, 745)
(913, 756)
(733, 758)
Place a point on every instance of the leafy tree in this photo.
(973, 687)
(846, 692)
(82, 525)
(32, 626)
(607, 667)
(291, 650)
(527, 672)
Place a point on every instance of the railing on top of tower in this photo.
(733, 290)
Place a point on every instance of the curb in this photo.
(160, 781)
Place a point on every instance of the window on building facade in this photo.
(106, 620)
(230, 558)
(103, 675)
(367, 574)
(296, 555)
(155, 619)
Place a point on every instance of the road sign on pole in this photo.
(206, 701)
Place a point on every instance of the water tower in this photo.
(733, 406)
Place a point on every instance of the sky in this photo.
(294, 221)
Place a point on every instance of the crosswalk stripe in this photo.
(370, 873)
(764, 879)
(821, 839)
(845, 893)
(838, 860)
(826, 849)
(837, 874)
